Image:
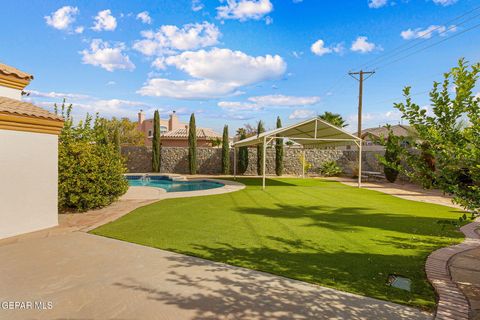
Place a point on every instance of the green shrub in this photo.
(330, 169)
(242, 153)
(225, 151)
(192, 145)
(156, 143)
(90, 168)
(260, 129)
(279, 151)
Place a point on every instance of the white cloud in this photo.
(83, 104)
(186, 89)
(375, 119)
(375, 4)
(111, 83)
(144, 17)
(444, 3)
(318, 48)
(427, 32)
(362, 45)
(225, 65)
(197, 5)
(216, 73)
(268, 20)
(159, 63)
(239, 106)
(301, 114)
(168, 38)
(104, 21)
(244, 9)
(79, 29)
(62, 18)
(108, 57)
(279, 100)
(53, 94)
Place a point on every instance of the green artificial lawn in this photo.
(312, 230)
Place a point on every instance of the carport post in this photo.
(360, 164)
(234, 162)
(264, 161)
(303, 162)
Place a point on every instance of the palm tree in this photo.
(333, 118)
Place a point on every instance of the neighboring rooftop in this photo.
(399, 130)
(182, 133)
(21, 108)
(9, 70)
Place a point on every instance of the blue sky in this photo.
(238, 61)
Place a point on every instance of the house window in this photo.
(150, 133)
(163, 129)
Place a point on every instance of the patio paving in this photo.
(90, 277)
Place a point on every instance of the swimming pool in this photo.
(170, 185)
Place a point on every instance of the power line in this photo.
(410, 45)
(429, 46)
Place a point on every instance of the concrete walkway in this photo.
(85, 276)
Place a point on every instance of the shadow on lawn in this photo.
(353, 218)
(225, 292)
(256, 182)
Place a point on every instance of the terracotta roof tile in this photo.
(8, 105)
(5, 69)
(202, 133)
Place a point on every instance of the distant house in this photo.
(400, 130)
(28, 159)
(370, 134)
(175, 133)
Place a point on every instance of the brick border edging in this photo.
(452, 303)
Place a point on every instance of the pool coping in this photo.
(156, 193)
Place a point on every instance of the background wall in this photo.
(28, 182)
(175, 160)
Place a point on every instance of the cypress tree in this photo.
(156, 144)
(225, 152)
(116, 139)
(279, 152)
(260, 129)
(242, 154)
(192, 145)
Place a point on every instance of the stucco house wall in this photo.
(28, 184)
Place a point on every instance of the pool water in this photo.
(170, 185)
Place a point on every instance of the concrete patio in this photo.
(90, 277)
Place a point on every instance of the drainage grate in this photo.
(399, 282)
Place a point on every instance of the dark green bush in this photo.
(330, 169)
(90, 168)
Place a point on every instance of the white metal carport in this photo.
(312, 133)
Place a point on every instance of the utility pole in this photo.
(360, 79)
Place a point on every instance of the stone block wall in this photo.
(175, 160)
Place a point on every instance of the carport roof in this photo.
(311, 133)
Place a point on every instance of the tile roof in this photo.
(202, 133)
(5, 69)
(8, 105)
(398, 130)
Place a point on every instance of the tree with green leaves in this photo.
(156, 143)
(333, 118)
(260, 129)
(127, 129)
(391, 159)
(279, 151)
(448, 141)
(90, 169)
(242, 152)
(225, 151)
(116, 140)
(192, 145)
